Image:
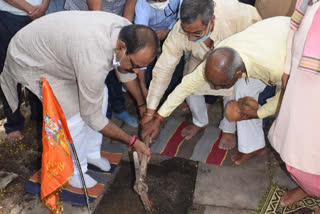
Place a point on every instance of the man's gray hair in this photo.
(232, 61)
(191, 10)
(235, 65)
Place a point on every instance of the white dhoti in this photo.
(225, 125)
(86, 140)
(250, 132)
(198, 109)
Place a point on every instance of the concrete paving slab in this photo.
(232, 186)
(282, 178)
(225, 210)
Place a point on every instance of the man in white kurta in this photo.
(74, 51)
(227, 17)
(262, 50)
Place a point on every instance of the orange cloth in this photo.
(57, 165)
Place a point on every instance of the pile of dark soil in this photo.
(171, 184)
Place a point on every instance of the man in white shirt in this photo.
(76, 62)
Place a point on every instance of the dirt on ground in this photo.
(24, 159)
(171, 184)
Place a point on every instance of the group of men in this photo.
(228, 50)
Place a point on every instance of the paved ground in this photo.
(225, 189)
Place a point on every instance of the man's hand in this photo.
(284, 79)
(141, 148)
(248, 113)
(151, 128)
(38, 11)
(147, 116)
(162, 34)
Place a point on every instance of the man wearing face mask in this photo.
(116, 100)
(76, 62)
(161, 16)
(202, 25)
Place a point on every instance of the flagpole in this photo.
(81, 175)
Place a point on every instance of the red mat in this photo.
(216, 156)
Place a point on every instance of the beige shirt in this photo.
(261, 46)
(74, 51)
(230, 17)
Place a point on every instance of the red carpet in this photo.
(215, 156)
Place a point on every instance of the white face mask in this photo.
(116, 63)
(158, 5)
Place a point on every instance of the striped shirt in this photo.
(112, 6)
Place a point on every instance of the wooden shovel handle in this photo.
(144, 159)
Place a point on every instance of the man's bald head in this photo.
(224, 67)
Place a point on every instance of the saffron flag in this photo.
(57, 165)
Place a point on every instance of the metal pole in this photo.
(82, 178)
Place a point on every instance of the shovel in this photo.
(140, 187)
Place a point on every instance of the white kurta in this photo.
(74, 51)
(295, 134)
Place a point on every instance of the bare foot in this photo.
(235, 156)
(317, 211)
(190, 131)
(227, 141)
(239, 157)
(16, 135)
(292, 196)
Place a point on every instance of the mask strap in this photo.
(115, 62)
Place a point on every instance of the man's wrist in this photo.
(141, 105)
(28, 8)
(148, 114)
(158, 117)
(151, 111)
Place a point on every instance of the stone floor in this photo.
(230, 189)
(226, 189)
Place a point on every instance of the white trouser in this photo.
(86, 140)
(225, 125)
(198, 109)
(250, 132)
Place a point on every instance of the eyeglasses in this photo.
(196, 35)
(133, 66)
(171, 13)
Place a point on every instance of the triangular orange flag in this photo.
(57, 165)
